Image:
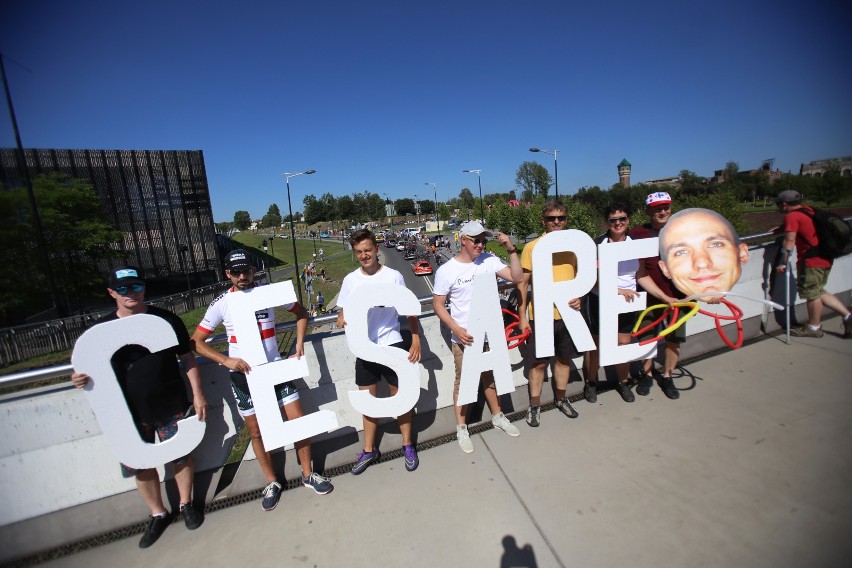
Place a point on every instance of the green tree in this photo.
(466, 197)
(272, 219)
(533, 178)
(77, 235)
(690, 180)
(224, 226)
(242, 220)
(345, 207)
(404, 206)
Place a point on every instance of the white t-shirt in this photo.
(382, 323)
(627, 270)
(220, 312)
(454, 279)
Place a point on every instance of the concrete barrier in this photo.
(62, 484)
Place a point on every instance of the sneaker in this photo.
(643, 387)
(564, 406)
(533, 413)
(668, 386)
(463, 436)
(411, 459)
(365, 459)
(590, 392)
(500, 421)
(318, 483)
(271, 495)
(192, 516)
(155, 529)
(847, 327)
(625, 392)
(806, 331)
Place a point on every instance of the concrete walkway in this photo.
(751, 467)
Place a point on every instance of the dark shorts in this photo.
(285, 392)
(368, 373)
(591, 313)
(164, 430)
(677, 336)
(565, 349)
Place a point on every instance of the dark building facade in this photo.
(159, 199)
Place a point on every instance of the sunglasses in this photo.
(614, 220)
(240, 271)
(556, 218)
(135, 288)
(480, 241)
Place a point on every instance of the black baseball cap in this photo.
(237, 258)
(124, 276)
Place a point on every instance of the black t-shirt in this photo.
(152, 383)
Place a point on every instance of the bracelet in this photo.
(513, 251)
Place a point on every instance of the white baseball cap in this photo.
(474, 229)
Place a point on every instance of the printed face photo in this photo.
(701, 253)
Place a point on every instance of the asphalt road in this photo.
(420, 285)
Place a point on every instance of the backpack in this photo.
(834, 234)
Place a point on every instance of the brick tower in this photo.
(624, 173)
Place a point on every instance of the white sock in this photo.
(814, 327)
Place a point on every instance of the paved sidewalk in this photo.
(751, 467)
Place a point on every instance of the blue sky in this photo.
(386, 96)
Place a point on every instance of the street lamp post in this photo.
(555, 171)
(287, 176)
(479, 181)
(417, 210)
(435, 189)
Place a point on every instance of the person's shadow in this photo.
(514, 557)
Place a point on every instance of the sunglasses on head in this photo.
(124, 289)
(555, 218)
(614, 220)
(239, 271)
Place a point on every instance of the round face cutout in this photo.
(700, 251)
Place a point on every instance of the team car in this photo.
(390, 243)
(421, 267)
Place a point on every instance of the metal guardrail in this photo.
(46, 373)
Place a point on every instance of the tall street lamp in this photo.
(287, 176)
(479, 181)
(555, 171)
(435, 188)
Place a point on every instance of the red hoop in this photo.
(514, 341)
(736, 315)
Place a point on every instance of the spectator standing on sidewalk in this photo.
(383, 329)
(240, 270)
(812, 269)
(454, 283)
(153, 386)
(554, 217)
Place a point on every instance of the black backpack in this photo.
(834, 234)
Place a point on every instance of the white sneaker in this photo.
(463, 437)
(500, 421)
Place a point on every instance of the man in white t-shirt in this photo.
(240, 270)
(383, 329)
(454, 282)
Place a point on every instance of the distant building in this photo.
(818, 167)
(665, 182)
(624, 173)
(765, 167)
(158, 198)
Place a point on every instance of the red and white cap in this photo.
(658, 198)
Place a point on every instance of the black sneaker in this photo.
(643, 387)
(192, 516)
(155, 529)
(847, 327)
(668, 386)
(590, 391)
(625, 392)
